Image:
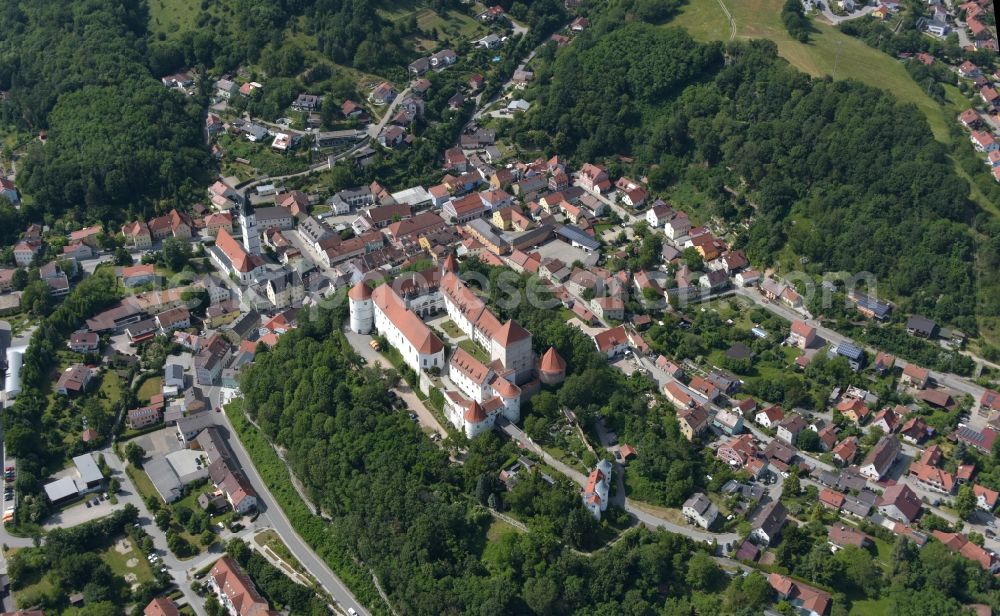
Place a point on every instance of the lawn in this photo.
(871, 607)
(828, 53)
(269, 538)
(175, 17)
(149, 388)
(142, 483)
(111, 387)
(474, 350)
(667, 513)
(498, 529)
(451, 27)
(452, 329)
(119, 563)
(262, 158)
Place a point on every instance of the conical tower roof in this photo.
(475, 413)
(552, 362)
(360, 291)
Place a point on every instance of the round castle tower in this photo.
(359, 300)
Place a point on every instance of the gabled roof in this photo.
(903, 498)
(409, 324)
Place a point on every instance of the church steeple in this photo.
(248, 224)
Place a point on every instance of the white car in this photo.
(352, 611)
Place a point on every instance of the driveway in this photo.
(838, 19)
(359, 342)
(943, 379)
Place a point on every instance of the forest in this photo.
(417, 520)
(116, 139)
(393, 500)
(836, 176)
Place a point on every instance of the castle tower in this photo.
(359, 300)
(450, 264)
(248, 223)
(552, 368)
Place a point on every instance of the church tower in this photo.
(248, 223)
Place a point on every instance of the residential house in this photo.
(914, 376)
(136, 275)
(730, 422)
(74, 380)
(790, 427)
(677, 227)
(960, 544)
(699, 510)
(738, 451)
(802, 335)
(767, 524)
(235, 590)
(887, 420)
(612, 342)
(769, 417)
(831, 499)
(986, 499)
(383, 94)
(608, 307)
(84, 342)
(693, 421)
(805, 599)
(9, 192)
(900, 503)
(595, 493)
(846, 450)
(139, 418)
(137, 234)
(920, 326)
(983, 141)
(854, 409)
(840, 536)
(881, 458)
(25, 251)
(594, 178)
(915, 430)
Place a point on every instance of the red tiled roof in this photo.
(552, 362)
(241, 260)
(475, 413)
(409, 324)
(161, 607)
(237, 587)
(360, 291)
(510, 333)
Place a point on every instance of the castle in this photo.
(485, 390)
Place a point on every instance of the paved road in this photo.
(273, 516)
(375, 129)
(177, 568)
(359, 342)
(648, 519)
(837, 19)
(945, 379)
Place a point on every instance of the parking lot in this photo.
(80, 513)
(557, 249)
(159, 443)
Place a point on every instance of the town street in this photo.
(945, 379)
(272, 515)
(177, 569)
(648, 519)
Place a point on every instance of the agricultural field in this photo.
(829, 52)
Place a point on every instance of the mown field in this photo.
(829, 52)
